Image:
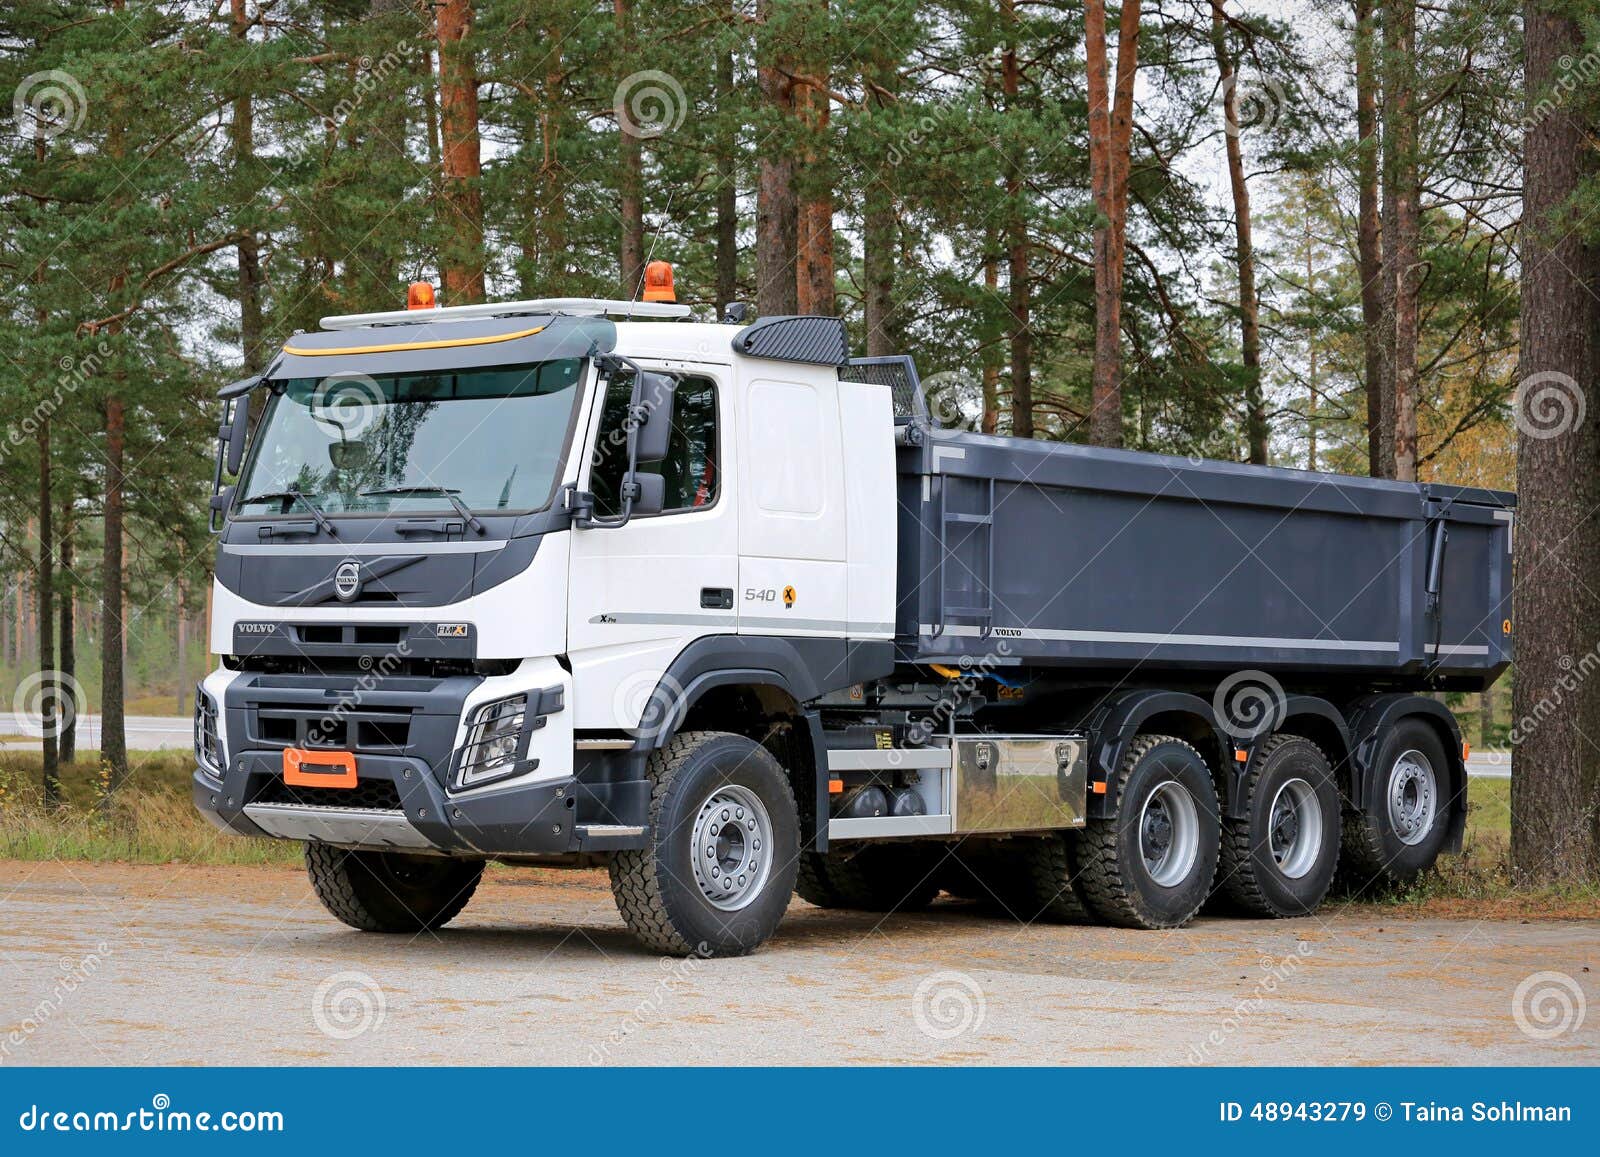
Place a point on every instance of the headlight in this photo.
(494, 741)
(207, 742)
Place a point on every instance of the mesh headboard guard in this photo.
(898, 373)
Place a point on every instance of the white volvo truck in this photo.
(573, 582)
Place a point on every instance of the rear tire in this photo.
(716, 875)
(390, 891)
(877, 878)
(1151, 865)
(1401, 828)
(1280, 859)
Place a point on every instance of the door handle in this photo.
(716, 598)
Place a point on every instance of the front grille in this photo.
(367, 795)
(315, 725)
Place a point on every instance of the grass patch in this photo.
(1479, 881)
(153, 821)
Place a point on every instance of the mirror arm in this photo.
(582, 504)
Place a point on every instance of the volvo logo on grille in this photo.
(347, 580)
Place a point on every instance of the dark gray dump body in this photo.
(1040, 553)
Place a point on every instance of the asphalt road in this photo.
(159, 733)
(144, 732)
(109, 964)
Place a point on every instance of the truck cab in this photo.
(477, 564)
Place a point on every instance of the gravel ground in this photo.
(117, 964)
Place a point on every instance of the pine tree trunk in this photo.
(1369, 244)
(992, 357)
(777, 225)
(1256, 432)
(183, 648)
(1485, 716)
(880, 231)
(814, 270)
(67, 745)
(727, 199)
(630, 176)
(113, 741)
(49, 689)
(461, 216)
(1400, 237)
(241, 134)
(1555, 791)
(1019, 295)
(1110, 139)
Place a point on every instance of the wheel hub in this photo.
(730, 843)
(1169, 834)
(1294, 828)
(1413, 797)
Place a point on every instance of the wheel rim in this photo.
(1169, 834)
(1294, 828)
(731, 843)
(1413, 797)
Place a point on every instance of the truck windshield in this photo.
(484, 439)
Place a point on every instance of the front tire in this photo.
(1279, 860)
(1401, 829)
(1151, 865)
(390, 891)
(716, 876)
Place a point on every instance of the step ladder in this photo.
(955, 528)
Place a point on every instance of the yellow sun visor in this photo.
(437, 347)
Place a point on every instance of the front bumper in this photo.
(406, 734)
(398, 805)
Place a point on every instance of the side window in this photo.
(690, 467)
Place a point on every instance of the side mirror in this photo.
(236, 434)
(651, 496)
(655, 394)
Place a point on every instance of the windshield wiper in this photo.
(294, 494)
(449, 496)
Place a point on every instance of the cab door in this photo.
(792, 518)
(638, 594)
